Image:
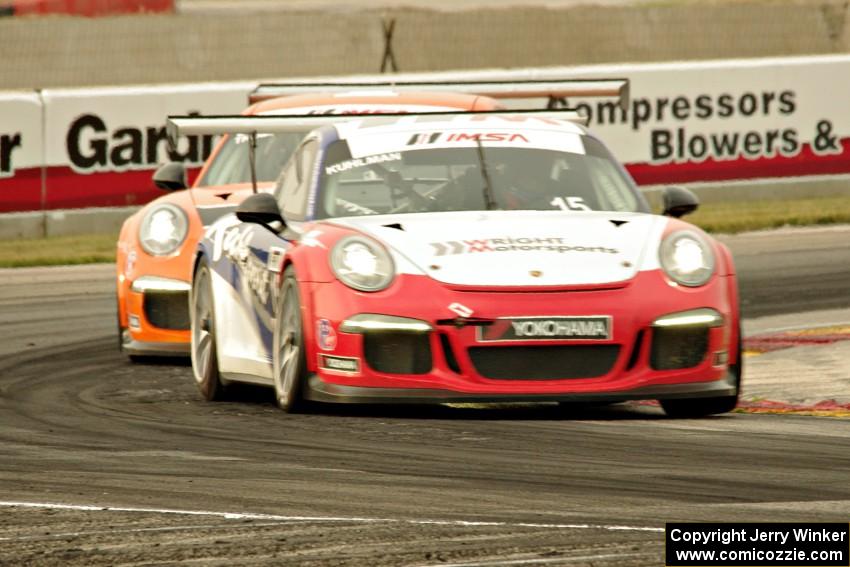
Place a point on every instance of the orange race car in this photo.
(157, 243)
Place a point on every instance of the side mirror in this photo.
(679, 201)
(261, 208)
(171, 177)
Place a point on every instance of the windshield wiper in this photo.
(489, 200)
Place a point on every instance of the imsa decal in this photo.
(465, 137)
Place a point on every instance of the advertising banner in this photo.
(728, 120)
(104, 144)
(21, 151)
(731, 121)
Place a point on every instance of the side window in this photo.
(308, 159)
(232, 165)
(287, 184)
(612, 189)
(296, 181)
(227, 164)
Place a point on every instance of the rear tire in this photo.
(701, 407)
(204, 354)
(289, 361)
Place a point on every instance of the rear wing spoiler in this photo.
(177, 126)
(251, 126)
(553, 89)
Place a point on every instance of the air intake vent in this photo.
(674, 348)
(544, 362)
(398, 353)
(167, 309)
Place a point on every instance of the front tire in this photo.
(289, 361)
(204, 355)
(701, 407)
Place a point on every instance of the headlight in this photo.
(163, 229)
(362, 263)
(687, 258)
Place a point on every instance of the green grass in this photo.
(725, 217)
(731, 217)
(58, 250)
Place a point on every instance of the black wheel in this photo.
(289, 362)
(701, 407)
(204, 357)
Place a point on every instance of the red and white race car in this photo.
(447, 258)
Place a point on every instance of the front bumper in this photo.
(460, 366)
(142, 348)
(157, 317)
(321, 391)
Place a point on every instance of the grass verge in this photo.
(734, 217)
(725, 217)
(58, 250)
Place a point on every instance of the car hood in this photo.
(519, 248)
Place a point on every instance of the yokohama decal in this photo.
(547, 328)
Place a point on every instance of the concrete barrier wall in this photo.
(594, 34)
(73, 52)
(232, 45)
(38, 224)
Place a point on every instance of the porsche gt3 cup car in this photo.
(156, 244)
(464, 258)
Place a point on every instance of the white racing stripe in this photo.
(334, 519)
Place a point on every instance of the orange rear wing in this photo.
(555, 90)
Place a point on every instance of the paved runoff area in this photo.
(798, 363)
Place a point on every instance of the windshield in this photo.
(473, 177)
(232, 164)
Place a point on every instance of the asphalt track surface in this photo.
(171, 478)
(792, 270)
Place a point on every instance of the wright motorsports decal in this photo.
(554, 244)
